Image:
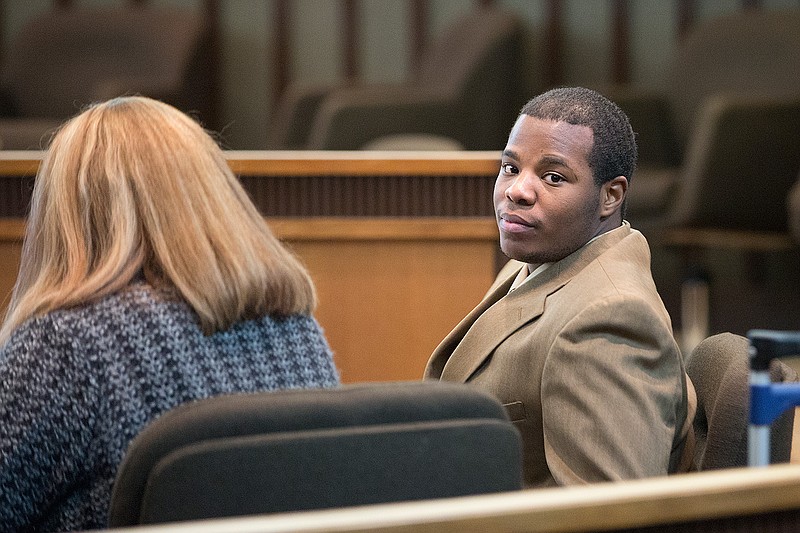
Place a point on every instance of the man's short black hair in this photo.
(614, 149)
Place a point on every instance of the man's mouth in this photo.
(514, 223)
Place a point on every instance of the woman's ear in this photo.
(612, 195)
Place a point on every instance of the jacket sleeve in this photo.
(46, 420)
(612, 394)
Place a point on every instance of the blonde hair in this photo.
(134, 185)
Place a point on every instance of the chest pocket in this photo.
(515, 411)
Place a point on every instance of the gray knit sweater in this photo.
(77, 385)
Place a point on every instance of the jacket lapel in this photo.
(444, 351)
(501, 313)
(508, 313)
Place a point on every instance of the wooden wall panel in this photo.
(300, 183)
(386, 305)
(11, 233)
(371, 196)
(400, 247)
(389, 289)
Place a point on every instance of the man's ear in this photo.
(612, 195)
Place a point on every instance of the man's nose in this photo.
(520, 191)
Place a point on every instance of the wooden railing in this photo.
(302, 183)
(762, 499)
(390, 285)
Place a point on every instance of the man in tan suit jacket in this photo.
(573, 337)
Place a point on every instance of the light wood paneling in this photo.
(389, 289)
(11, 234)
(387, 300)
(412, 248)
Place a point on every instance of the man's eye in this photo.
(553, 178)
(508, 168)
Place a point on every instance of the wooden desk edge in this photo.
(317, 163)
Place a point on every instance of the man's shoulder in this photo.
(627, 255)
(622, 275)
(619, 266)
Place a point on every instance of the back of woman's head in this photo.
(133, 185)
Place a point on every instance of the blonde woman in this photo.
(148, 279)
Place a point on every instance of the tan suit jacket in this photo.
(584, 359)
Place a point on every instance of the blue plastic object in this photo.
(768, 400)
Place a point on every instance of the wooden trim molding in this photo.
(356, 163)
(381, 229)
(331, 229)
(316, 163)
(12, 229)
(320, 184)
(16, 163)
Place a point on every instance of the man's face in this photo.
(546, 202)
